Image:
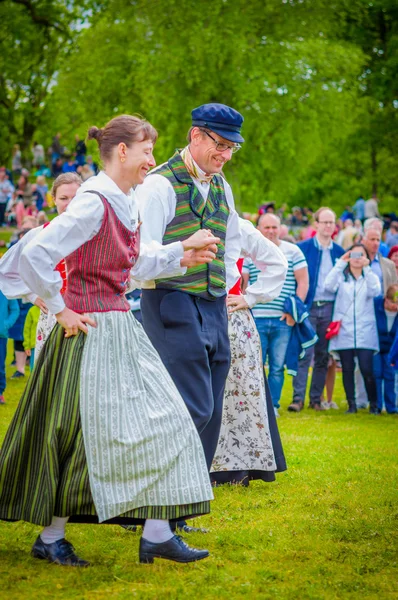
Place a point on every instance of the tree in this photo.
(35, 38)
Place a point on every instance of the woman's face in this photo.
(394, 258)
(139, 159)
(65, 193)
(357, 262)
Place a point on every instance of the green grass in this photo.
(327, 528)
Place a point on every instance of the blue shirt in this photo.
(376, 268)
(359, 209)
(326, 265)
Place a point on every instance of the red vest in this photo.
(99, 271)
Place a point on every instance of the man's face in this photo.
(270, 227)
(204, 150)
(371, 241)
(326, 223)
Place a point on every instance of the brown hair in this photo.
(391, 291)
(64, 179)
(126, 128)
(320, 210)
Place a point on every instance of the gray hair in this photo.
(373, 223)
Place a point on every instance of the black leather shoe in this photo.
(60, 552)
(175, 549)
(352, 410)
(374, 411)
(183, 526)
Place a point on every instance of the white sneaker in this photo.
(334, 405)
(276, 412)
(325, 405)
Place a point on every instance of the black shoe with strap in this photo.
(60, 552)
(174, 549)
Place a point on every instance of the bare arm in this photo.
(303, 283)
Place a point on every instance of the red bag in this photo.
(333, 329)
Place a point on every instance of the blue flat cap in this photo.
(222, 119)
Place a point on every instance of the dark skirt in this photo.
(43, 466)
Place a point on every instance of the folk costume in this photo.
(185, 317)
(249, 445)
(101, 433)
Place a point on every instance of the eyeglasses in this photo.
(220, 146)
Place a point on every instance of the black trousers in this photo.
(191, 336)
(365, 360)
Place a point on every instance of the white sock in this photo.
(55, 531)
(157, 531)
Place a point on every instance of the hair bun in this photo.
(94, 133)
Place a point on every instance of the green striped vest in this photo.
(193, 213)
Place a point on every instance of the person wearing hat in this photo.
(185, 317)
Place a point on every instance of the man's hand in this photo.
(28, 352)
(200, 239)
(72, 322)
(42, 305)
(289, 319)
(236, 302)
(194, 258)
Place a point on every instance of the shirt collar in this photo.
(319, 245)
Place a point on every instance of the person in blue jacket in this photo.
(386, 310)
(9, 311)
(16, 333)
(321, 254)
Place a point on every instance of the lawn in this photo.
(327, 528)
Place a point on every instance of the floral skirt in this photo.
(245, 449)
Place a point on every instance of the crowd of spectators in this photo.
(345, 272)
(24, 188)
(341, 270)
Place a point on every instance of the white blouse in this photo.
(268, 258)
(27, 269)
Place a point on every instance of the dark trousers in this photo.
(2, 212)
(191, 336)
(365, 361)
(320, 317)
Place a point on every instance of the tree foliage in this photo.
(315, 81)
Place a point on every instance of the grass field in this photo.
(326, 529)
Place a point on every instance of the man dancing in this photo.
(185, 317)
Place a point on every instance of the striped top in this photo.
(296, 260)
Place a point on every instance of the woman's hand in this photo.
(346, 257)
(41, 304)
(194, 258)
(364, 261)
(72, 322)
(200, 239)
(236, 302)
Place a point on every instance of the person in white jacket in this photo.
(356, 286)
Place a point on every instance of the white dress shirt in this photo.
(268, 258)
(29, 268)
(157, 205)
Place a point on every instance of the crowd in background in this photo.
(342, 271)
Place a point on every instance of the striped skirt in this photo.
(101, 434)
